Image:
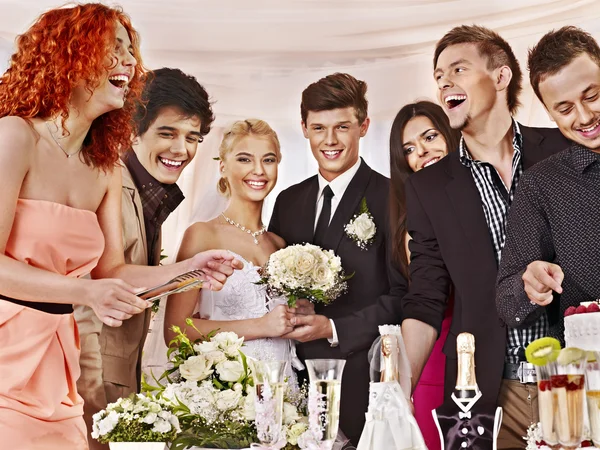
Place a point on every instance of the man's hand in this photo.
(218, 265)
(304, 307)
(310, 328)
(540, 279)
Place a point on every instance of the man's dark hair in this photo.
(557, 49)
(171, 87)
(491, 45)
(339, 90)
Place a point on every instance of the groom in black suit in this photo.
(317, 210)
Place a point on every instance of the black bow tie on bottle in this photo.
(324, 217)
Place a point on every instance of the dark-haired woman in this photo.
(421, 135)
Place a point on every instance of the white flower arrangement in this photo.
(137, 418)
(362, 229)
(305, 271)
(211, 388)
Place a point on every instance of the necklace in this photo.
(60, 146)
(254, 234)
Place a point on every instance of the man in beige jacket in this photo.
(174, 120)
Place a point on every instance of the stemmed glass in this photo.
(269, 381)
(325, 377)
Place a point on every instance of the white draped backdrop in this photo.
(256, 57)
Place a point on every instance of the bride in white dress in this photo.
(249, 155)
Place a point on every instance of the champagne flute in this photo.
(326, 379)
(270, 386)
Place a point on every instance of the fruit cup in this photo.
(568, 396)
(592, 384)
(542, 353)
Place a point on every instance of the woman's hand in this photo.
(278, 321)
(113, 300)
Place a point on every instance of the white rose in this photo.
(108, 424)
(206, 347)
(227, 400)
(364, 227)
(290, 414)
(248, 408)
(305, 263)
(150, 418)
(161, 426)
(215, 356)
(295, 431)
(196, 368)
(230, 370)
(322, 275)
(225, 339)
(233, 350)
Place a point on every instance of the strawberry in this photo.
(559, 381)
(593, 307)
(570, 311)
(580, 309)
(544, 385)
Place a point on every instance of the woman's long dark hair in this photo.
(400, 170)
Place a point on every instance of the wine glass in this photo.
(326, 379)
(269, 381)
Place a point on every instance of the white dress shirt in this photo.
(338, 186)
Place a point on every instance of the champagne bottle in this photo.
(466, 382)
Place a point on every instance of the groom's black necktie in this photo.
(323, 222)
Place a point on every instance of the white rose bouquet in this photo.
(305, 271)
(137, 418)
(212, 389)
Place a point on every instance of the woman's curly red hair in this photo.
(62, 48)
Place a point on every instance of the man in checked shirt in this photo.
(551, 257)
(456, 215)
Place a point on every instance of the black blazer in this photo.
(451, 245)
(294, 220)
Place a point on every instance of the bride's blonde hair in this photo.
(238, 131)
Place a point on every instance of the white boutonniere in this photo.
(361, 229)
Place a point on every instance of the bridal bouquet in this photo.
(137, 418)
(305, 271)
(211, 386)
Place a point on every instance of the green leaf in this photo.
(363, 206)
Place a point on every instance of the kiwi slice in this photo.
(570, 355)
(542, 351)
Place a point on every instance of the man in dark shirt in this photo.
(554, 223)
(456, 213)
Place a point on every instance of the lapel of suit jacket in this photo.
(129, 186)
(465, 199)
(348, 206)
(532, 151)
(306, 212)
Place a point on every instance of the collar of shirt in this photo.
(582, 157)
(467, 160)
(340, 183)
(158, 199)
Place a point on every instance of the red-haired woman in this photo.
(65, 103)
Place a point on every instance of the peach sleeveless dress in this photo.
(39, 351)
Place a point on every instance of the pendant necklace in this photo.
(68, 155)
(254, 234)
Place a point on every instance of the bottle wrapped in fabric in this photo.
(465, 421)
(390, 424)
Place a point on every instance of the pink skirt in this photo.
(429, 393)
(39, 367)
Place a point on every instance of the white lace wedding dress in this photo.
(241, 298)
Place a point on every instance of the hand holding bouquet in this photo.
(305, 271)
